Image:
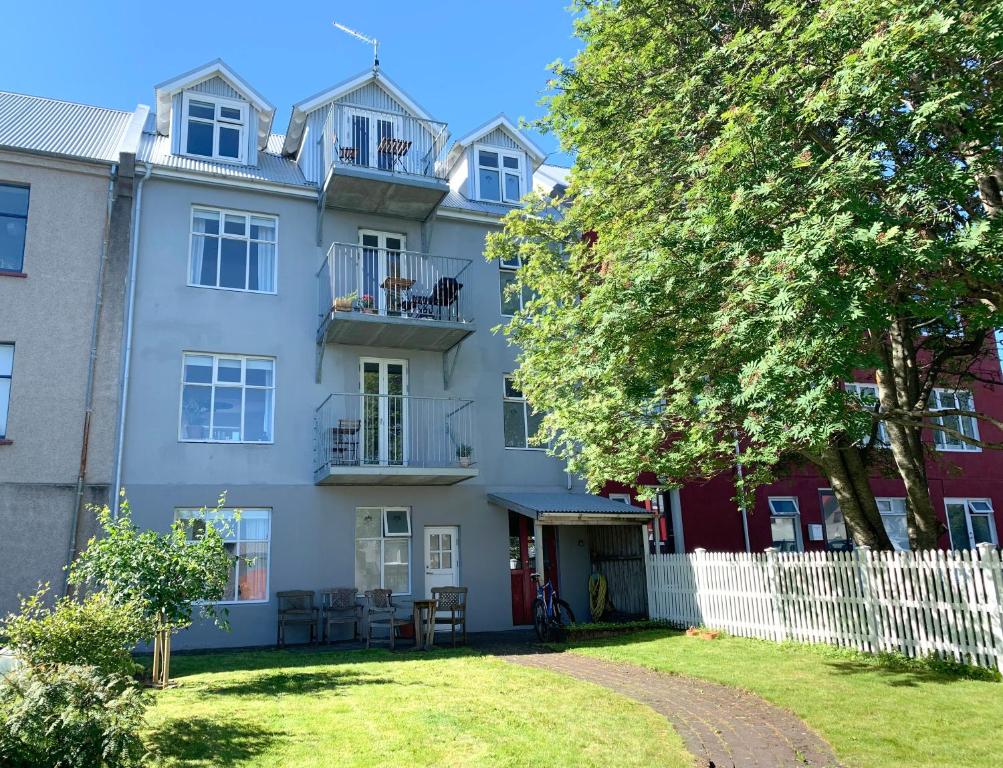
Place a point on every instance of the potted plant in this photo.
(345, 303)
(463, 453)
(368, 304)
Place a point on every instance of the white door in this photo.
(366, 132)
(442, 557)
(384, 411)
(381, 257)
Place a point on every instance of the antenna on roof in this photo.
(358, 35)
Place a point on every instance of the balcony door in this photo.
(383, 387)
(369, 138)
(381, 259)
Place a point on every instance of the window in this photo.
(247, 542)
(499, 175)
(383, 549)
(836, 537)
(233, 250)
(213, 127)
(623, 498)
(6, 371)
(970, 522)
(785, 523)
(967, 425)
(13, 226)
(227, 399)
(521, 422)
(511, 302)
(867, 394)
(894, 518)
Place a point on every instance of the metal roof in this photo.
(35, 124)
(454, 199)
(567, 507)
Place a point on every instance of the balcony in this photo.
(386, 297)
(383, 162)
(384, 439)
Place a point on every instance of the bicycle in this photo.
(551, 615)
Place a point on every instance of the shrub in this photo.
(70, 717)
(95, 632)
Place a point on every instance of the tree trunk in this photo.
(848, 477)
(899, 389)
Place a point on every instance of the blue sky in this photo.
(463, 61)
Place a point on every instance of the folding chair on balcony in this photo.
(345, 441)
(441, 304)
(392, 153)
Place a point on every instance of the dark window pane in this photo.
(959, 526)
(534, 420)
(234, 225)
(201, 109)
(511, 187)
(229, 113)
(226, 414)
(12, 232)
(511, 162)
(199, 138)
(515, 425)
(360, 139)
(384, 131)
(511, 390)
(198, 369)
(233, 264)
(229, 142)
(13, 200)
(509, 301)
(195, 406)
(489, 159)
(258, 415)
(489, 185)
(205, 252)
(252, 270)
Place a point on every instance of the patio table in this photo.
(424, 624)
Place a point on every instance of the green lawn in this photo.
(276, 708)
(872, 713)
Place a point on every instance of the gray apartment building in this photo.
(65, 216)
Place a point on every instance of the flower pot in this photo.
(464, 461)
(343, 305)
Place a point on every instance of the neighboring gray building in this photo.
(65, 204)
(311, 333)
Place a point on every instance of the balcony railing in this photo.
(392, 283)
(393, 436)
(391, 142)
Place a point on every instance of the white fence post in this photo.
(773, 585)
(862, 554)
(701, 601)
(989, 562)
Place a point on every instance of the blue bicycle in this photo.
(551, 615)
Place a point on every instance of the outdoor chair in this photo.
(345, 441)
(451, 609)
(296, 607)
(441, 303)
(338, 606)
(381, 611)
(392, 152)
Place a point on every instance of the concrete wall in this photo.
(48, 316)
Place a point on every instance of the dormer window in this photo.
(214, 128)
(499, 175)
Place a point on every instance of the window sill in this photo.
(224, 442)
(238, 161)
(10, 273)
(528, 448)
(6, 442)
(233, 290)
(943, 449)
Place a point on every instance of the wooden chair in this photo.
(451, 609)
(296, 607)
(381, 611)
(338, 606)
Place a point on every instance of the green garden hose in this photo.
(597, 596)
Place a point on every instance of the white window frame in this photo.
(856, 388)
(183, 513)
(520, 158)
(218, 102)
(216, 357)
(896, 507)
(383, 539)
(525, 416)
(940, 438)
(623, 498)
(223, 212)
(5, 403)
(507, 269)
(796, 517)
(967, 503)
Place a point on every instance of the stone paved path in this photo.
(723, 726)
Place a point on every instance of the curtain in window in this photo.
(262, 254)
(205, 247)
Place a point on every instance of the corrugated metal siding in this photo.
(176, 122)
(311, 160)
(373, 96)
(61, 128)
(617, 552)
(251, 136)
(499, 138)
(217, 86)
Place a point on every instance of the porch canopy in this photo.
(565, 508)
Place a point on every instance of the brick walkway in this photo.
(723, 726)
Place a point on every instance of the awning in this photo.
(567, 508)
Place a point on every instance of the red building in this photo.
(800, 512)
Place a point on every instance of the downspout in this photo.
(741, 504)
(127, 353)
(78, 499)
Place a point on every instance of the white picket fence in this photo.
(919, 604)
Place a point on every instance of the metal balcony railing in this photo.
(393, 431)
(392, 283)
(384, 141)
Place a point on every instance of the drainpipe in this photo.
(127, 353)
(78, 499)
(741, 504)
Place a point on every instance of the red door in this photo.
(522, 562)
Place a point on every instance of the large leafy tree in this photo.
(783, 194)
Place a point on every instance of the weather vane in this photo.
(359, 36)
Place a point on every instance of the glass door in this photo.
(381, 280)
(384, 411)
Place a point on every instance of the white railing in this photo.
(382, 281)
(919, 604)
(393, 431)
(390, 142)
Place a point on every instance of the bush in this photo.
(70, 717)
(95, 632)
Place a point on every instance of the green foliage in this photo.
(70, 717)
(774, 184)
(166, 574)
(96, 632)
